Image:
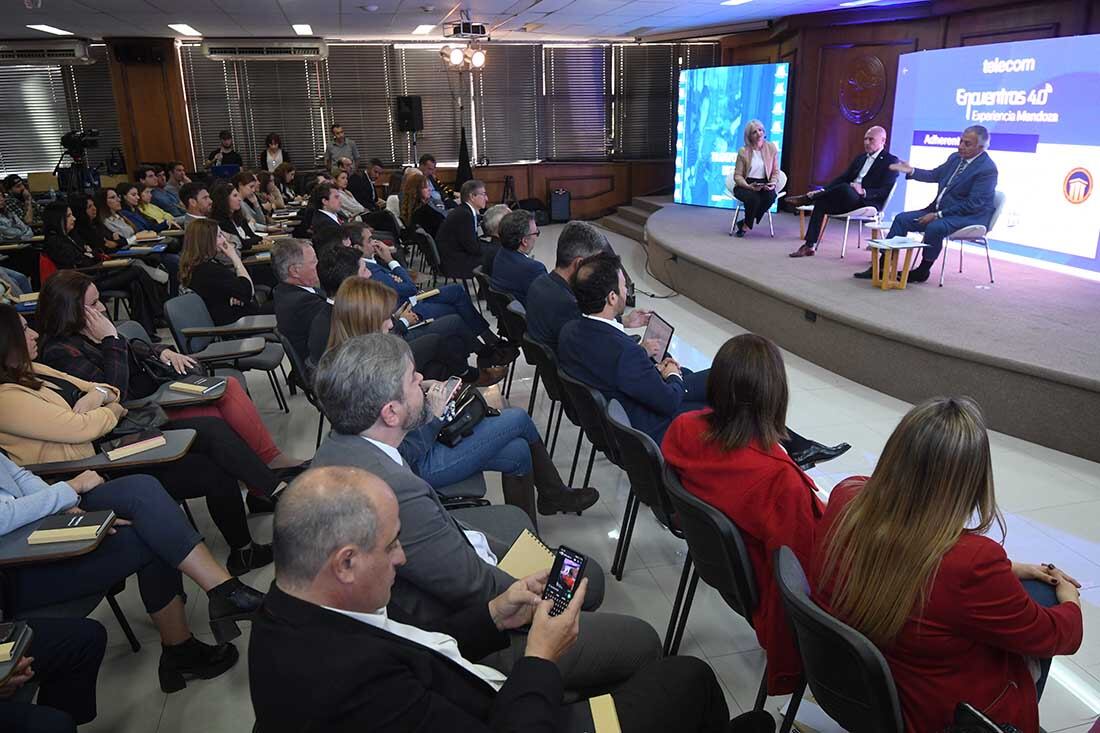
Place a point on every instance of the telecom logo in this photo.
(1078, 186)
(997, 65)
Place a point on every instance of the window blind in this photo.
(575, 86)
(507, 104)
(92, 106)
(361, 98)
(33, 116)
(643, 101)
(445, 99)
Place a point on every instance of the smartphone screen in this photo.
(565, 576)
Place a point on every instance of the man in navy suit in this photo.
(513, 267)
(596, 350)
(867, 182)
(967, 185)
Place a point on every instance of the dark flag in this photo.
(465, 173)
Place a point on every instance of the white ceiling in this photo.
(393, 20)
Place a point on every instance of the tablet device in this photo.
(657, 337)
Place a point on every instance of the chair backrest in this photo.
(781, 182)
(591, 407)
(427, 246)
(644, 465)
(46, 267)
(299, 372)
(889, 197)
(514, 320)
(188, 311)
(393, 205)
(716, 547)
(546, 362)
(846, 672)
(132, 331)
(999, 200)
(493, 298)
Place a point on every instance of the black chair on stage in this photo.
(591, 409)
(847, 674)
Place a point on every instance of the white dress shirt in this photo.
(608, 321)
(756, 166)
(871, 158)
(436, 642)
(477, 539)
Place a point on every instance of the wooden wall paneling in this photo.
(1092, 16)
(1022, 22)
(650, 177)
(493, 177)
(595, 188)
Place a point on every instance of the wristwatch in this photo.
(105, 392)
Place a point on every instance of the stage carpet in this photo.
(1027, 347)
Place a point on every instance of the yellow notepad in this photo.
(6, 651)
(604, 715)
(526, 556)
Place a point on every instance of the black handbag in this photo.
(970, 720)
(470, 409)
(139, 418)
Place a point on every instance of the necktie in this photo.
(958, 170)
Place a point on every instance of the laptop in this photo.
(659, 334)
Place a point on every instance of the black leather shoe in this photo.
(499, 355)
(230, 602)
(920, 274)
(289, 473)
(194, 659)
(241, 560)
(565, 502)
(865, 275)
(818, 453)
(260, 504)
(740, 229)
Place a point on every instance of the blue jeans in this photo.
(153, 547)
(21, 281)
(501, 443)
(1043, 594)
(453, 299)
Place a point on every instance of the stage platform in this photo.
(1026, 347)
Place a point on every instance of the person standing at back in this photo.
(903, 558)
(341, 146)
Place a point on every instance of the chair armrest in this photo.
(239, 327)
(178, 443)
(220, 351)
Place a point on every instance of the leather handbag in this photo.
(139, 418)
(970, 720)
(470, 409)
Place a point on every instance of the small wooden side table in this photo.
(887, 275)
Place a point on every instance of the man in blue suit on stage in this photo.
(596, 350)
(967, 185)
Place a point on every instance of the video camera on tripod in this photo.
(77, 176)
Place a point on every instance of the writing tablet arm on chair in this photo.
(241, 327)
(225, 351)
(178, 442)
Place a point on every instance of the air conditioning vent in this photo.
(51, 53)
(233, 49)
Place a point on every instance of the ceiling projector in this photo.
(465, 29)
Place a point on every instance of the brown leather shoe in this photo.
(805, 250)
(798, 200)
(488, 376)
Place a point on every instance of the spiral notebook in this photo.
(527, 556)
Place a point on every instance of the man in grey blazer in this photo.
(372, 395)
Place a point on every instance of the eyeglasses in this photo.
(534, 233)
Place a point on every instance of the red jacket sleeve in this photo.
(995, 609)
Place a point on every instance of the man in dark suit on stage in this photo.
(867, 182)
(458, 238)
(328, 654)
(967, 186)
(298, 295)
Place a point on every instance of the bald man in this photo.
(867, 182)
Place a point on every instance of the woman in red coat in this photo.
(729, 456)
(900, 559)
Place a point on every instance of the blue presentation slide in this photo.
(713, 108)
(1038, 99)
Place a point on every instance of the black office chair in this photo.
(591, 409)
(514, 320)
(300, 377)
(493, 301)
(81, 607)
(546, 364)
(641, 458)
(720, 558)
(848, 675)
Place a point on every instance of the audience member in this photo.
(329, 634)
(372, 396)
(349, 207)
(867, 182)
(228, 211)
(224, 154)
(176, 179)
(325, 201)
(284, 180)
(273, 154)
(227, 290)
(67, 249)
(902, 557)
(13, 228)
(415, 206)
(253, 209)
(196, 200)
(329, 238)
(298, 297)
(152, 539)
(341, 146)
(14, 283)
(67, 653)
(117, 232)
(729, 456)
(458, 241)
(129, 196)
(269, 192)
(152, 212)
(427, 164)
(490, 242)
(159, 195)
(18, 203)
(78, 339)
(47, 416)
(513, 268)
(755, 176)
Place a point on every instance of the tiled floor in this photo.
(1052, 502)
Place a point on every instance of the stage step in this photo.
(623, 226)
(650, 203)
(633, 213)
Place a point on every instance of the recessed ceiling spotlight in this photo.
(303, 29)
(50, 29)
(184, 30)
(369, 8)
(423, 30)
(735, 2)
(428, 8)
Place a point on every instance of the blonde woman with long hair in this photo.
(903, 558)
(755, 175)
